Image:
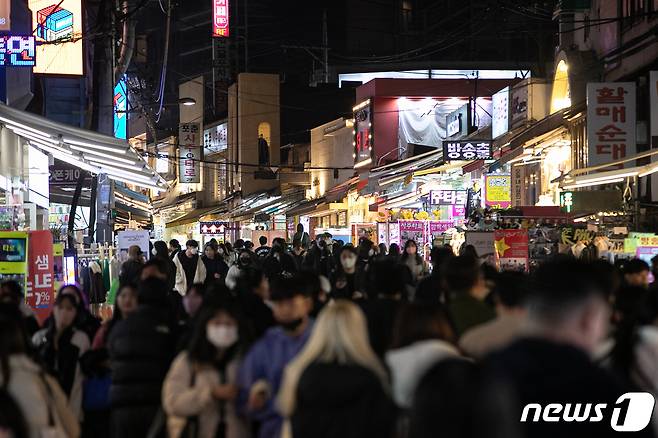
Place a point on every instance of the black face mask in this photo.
(293, 325)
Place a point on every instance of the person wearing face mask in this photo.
(346, 279)
(216, 269)
(411, 259)
(262, 370)
(244, 262)
(200, 386)
(189, 267)
(60, 346)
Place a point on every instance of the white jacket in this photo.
(181, 400)
(181, 281)
(27, 385)
(409, 364)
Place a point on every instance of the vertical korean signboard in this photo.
(610, 122)
(500, 113)
(363, 139)
(120, 110)
(189, 155)
(40, 287)
(220, 27)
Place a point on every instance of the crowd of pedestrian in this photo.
(325, 339)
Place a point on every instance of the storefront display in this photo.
(412, 230)
(368, 231)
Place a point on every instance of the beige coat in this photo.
(27, 385)
(181, 282)
(181, 401)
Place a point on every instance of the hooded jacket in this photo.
(341, 401)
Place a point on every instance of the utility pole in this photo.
(325, 45)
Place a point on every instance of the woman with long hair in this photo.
(84, 319)
(60, 345)
(199, 391)
(412, 260)
(162, 253)
(126, 303)
(336, 386)
(35, 392)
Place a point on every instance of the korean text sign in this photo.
(17, 51)
(189, 139)
(40, 288)
(512, 249)
(59, 32)
(610, 122)
(498, 191)
(448, 197)
(467, 150)
(220, 23)
(363, 133)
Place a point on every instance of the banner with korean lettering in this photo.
(412, 230)
(448, 197)
(40, 291)
(498, 191)
(512, 250)
(611, 123)
(190, 153)
(220, 22)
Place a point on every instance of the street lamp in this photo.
(187, 101)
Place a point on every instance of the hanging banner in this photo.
(498, 191)
(128, 238)
(440, 227)
(39, 290)
(190, 153)
(611, 123)
(512, 250)
(412, 230)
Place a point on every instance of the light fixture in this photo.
(101, 162)
(75, 162)
(187, 101)
(25, 127)
(137, 183)
(363, 163)
(117, 150)
(102, 154)
(49, 147)
(123, 174)
(581, 185)
(653, 168)
(33, 135)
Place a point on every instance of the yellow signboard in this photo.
(13, 252)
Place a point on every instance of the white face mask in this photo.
(193, 251)
(220, 251)
(371, 252)
(348, 262)
(154, 252)
(222, 336)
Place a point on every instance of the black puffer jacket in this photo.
(341, 401)
(141, 349)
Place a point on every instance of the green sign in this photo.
(566, 201)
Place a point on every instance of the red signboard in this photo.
(220, 18)
(512, 249)
(39, 287)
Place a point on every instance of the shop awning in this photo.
(88, 150)
(192, 216)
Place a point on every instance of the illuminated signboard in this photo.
(448, 197)
(500, 115)
(220, 19)
(5, 14)
(363, 138)
(467, 150)
(17, 51)
(58, 29)
(566, 201)
(120, 108)
(215, 139)
(190, 153)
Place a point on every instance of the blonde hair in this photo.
(340, 335)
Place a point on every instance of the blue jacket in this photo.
(267, 360)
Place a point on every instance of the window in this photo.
(265, 130)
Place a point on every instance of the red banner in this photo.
(39, 286)
(512, 250)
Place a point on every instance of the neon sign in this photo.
(17, 51)
(220, 18)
